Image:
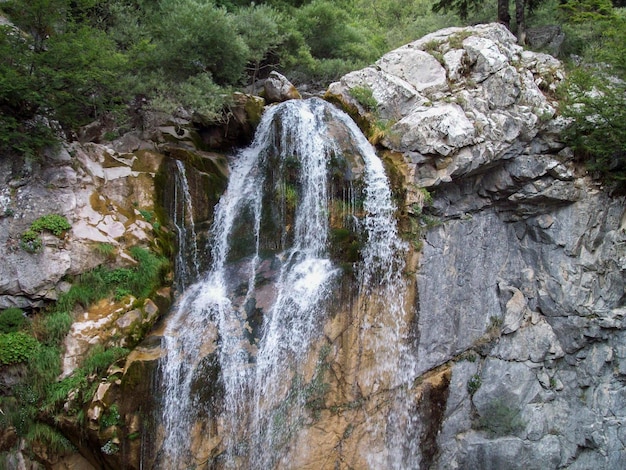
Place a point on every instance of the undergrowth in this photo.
(36, 345)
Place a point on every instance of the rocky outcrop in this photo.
(522, 274)
(458, 100)
(278, 88)
(104, 195)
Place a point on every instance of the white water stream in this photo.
(261, 403)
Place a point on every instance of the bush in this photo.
(55, 326)
(110, 417)
(17, 347)
(54, 223)
(44, 367)
(11, 320)
(473, 384)
(147, 276)
(100, 359)
(50, 438)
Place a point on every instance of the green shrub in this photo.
(365, 97)
(54, 223)
(139, 281)
(597, 105)
(473, 384)
(147, 276)
(58, 392)
(11, 320)
(53, 441)
(110, 417)
(55, 327)
(44, 366)
(30, 241)
(17, 347)
(106, 249)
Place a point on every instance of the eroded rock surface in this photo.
(521, 280)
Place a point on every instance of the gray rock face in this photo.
(523, 271)
(98, 190)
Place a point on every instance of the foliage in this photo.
(53, 327)
(72, 62)
(81, 70)
(330, 35)
(54, 223)
(365, 97)
(260, 28)
(598, 135)
(110, 417)
(96, 363)
(110, 448)
(43, 369)
(197, 93)
(30, 241)
(21, 98)
(473, 384)
(16, 347)
(208, 43)
(50, 438)
(101, 282)
(11, 320)
(462, 7)
(594, 95)
(100, 358)
(106, 249)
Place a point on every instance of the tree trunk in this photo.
(520, 20)
(503, 13)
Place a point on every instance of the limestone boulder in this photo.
(278, 88)
(471, 95)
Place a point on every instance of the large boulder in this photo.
(457, 100)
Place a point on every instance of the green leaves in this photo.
(594, 95)
(597, 104)
(16, 347)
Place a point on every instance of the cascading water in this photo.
(238, 340)
(187, 264)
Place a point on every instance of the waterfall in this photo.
(187, 264)
(238, 341)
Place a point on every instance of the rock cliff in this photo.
(522, 273)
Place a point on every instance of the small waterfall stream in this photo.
(187, 263)
(238, 341)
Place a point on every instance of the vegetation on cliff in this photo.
(32, 347)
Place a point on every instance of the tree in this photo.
(595, 91)
(464, 7)
(193, 36)
(21, 98)
(259, 26)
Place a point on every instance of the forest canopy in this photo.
(67, 63)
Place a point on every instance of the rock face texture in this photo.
(101, 192)
(521, 280)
